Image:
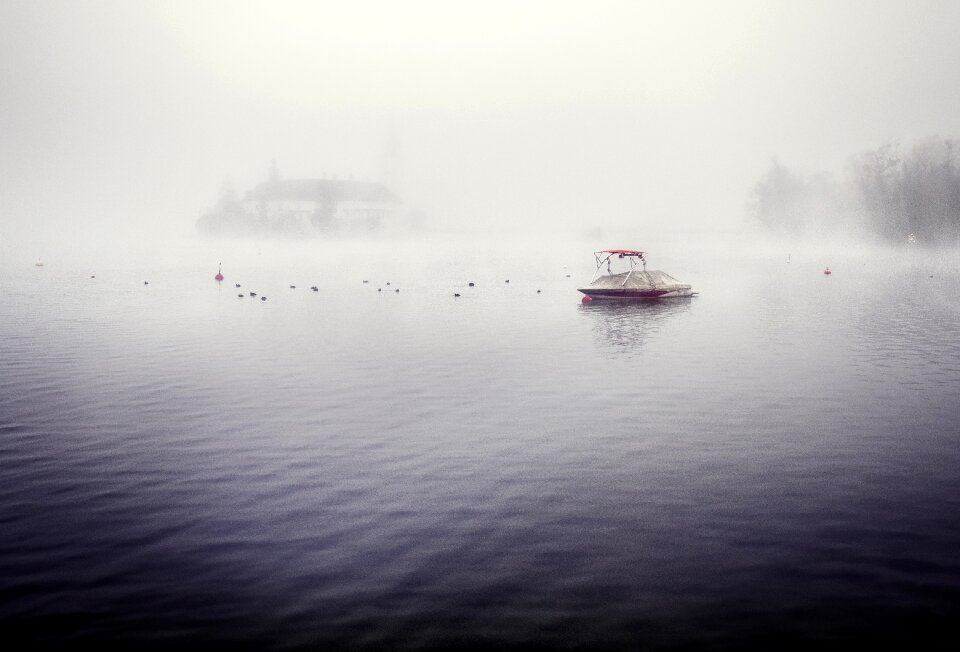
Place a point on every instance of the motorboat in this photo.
(630, 279)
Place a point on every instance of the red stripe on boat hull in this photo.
(626, 294)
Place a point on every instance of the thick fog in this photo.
(129, 118)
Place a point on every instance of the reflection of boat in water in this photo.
(631, 325)
(632, 283)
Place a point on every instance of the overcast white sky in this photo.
(506, 112)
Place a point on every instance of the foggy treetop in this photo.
(893, 194)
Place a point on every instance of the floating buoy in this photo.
(219, 276)
(586, 298)
(240, 295)
(263, 298)
(293, 287)
(470, 283)
(827, 271)
(146, 283)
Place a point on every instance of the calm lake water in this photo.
(773, 462)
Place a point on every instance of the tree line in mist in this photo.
(891, 194)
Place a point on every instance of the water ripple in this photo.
(772, 458)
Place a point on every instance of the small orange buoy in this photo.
(827, 271)
(219, 276)
(586, 298)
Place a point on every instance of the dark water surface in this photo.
(773, 462)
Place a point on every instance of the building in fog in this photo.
(303, 206)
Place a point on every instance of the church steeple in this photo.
(392, 159)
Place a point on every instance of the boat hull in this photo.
(636, 284)
(594, 293)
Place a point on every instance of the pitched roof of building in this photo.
(321, 190)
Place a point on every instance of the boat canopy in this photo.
(634, 257)
(622, 252)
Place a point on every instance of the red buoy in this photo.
(586, 298)
(219, 276)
